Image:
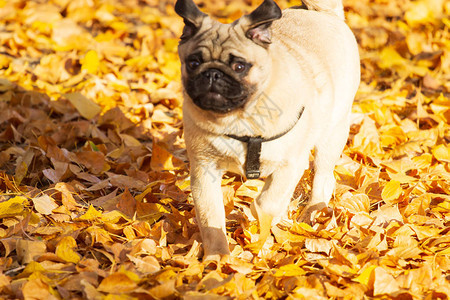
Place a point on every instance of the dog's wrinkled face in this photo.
(223, 65)
(216, 81)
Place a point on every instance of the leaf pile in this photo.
(94, 180)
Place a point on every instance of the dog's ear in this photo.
(257, 24)
(191, 15)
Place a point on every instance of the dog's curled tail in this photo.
(334, 7)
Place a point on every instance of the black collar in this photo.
(252, 163)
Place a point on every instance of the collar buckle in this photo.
(252, 162)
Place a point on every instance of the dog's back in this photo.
(328, 49)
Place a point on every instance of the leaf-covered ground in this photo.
(94, 180)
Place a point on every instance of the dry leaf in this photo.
(117, 283)
(28, 251)
(384, 283)
(86, 107)
(94, 177)
(65, 250)
(391, 191)
(44, 204)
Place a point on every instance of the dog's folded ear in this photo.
(257, 24)
(191, 15)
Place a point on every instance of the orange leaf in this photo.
(36, 289)
(161, 159)
(117, 283)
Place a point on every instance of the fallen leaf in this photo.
(86, 107)
(385, 283)
(127, 204)
(65, 250)
(146, 265)
(12, 207)
(36, 289)
(44, 204)
(391, 191)
(91, 214)
(90, 63)
(28, 251)
(117, 283)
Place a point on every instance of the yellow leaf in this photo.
(419, 13)
(91, 214)
(389, 58)
(31, 267)
(99, 235)
(114, 217)
(444, 206)
(4, 61)
(290, 270)
(64, 250)
(441, 153)
(366, 277)
(423, 161)
(391, 191)
(302, 228)
(86, 107)
(12, 207)
(91, 62)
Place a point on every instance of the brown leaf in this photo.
(125, 182)
(94, 160)
(127, 204)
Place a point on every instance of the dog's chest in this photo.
(232, 156)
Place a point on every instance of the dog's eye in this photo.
(238, 67)
(193, 64)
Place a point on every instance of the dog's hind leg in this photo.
(327, 152)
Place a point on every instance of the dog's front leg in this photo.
(208, 200)
(274, 199)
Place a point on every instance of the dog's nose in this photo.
(213, 74)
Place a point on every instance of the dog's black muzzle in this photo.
(216, 91)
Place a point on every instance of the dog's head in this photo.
(225, 65)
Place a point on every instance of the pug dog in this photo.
(259, 95)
